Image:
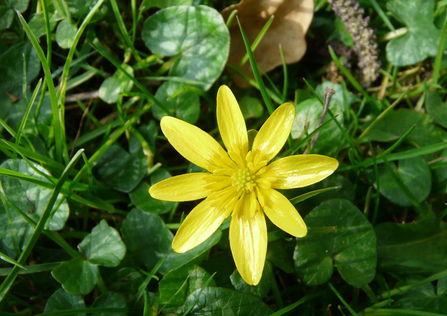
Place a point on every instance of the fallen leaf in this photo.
(291, 21)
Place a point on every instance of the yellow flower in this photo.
(240, 182)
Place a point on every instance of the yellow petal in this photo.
(282, 213)
(273, 134)
(200, 224)
(187, 187)
(194, 144)
(231, 125)
(248, 241)
(300, 170)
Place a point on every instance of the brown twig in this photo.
(328, 93)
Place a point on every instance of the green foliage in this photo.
(415, 175)
(77, 276)
(185, 105)
(350, 247)
(93, 79)
(24, 205)
(120, 169)
(309, 111)
(118, 83)
(180, 283)
(422, 39)
(62, 301)
(197, 37)
(417, 248)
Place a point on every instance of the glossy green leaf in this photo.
(177, 285)
(422, 39)
(351, 248)
(111, 88)
(120, 169)
(141, 198)
(110, 300)
(185, 106)
(436, 108)
(63, 301)
(103, 246)
(251, 107)
(414, 173)
(31, 200)
(261, 290)
(19, 5)
(426, 298)
(214, 301)
(396, 123)
(12, 67)
(148, 240)
(417, 247)
(306, 120)
(77, 276)
(65, 33)
(196, 35)
(6, 16)
(280, 253)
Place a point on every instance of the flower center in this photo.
(243, 180)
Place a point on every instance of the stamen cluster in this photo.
(243, 180)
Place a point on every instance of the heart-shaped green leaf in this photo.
(148, 240)
(103, 246)
(414, 173)
(417, 247)
(185, 106)
(422, 39)
(196, 35)
(65, 33)
(221, 301)
(397, 123)
(177, 285)
(77, 276)
(120, 169)
(110, 300)
(111, 88)
(306, 120)
(61, 301)
(351, 247)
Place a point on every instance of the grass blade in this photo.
(257, 40)
(437, 64)
(254, 67)
(308, 195)
(27, 112)
(55, 110)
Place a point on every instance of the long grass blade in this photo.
(58, 137)
(254, 67)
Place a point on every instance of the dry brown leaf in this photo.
(290, 24)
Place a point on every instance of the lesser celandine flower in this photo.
(239, 182)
